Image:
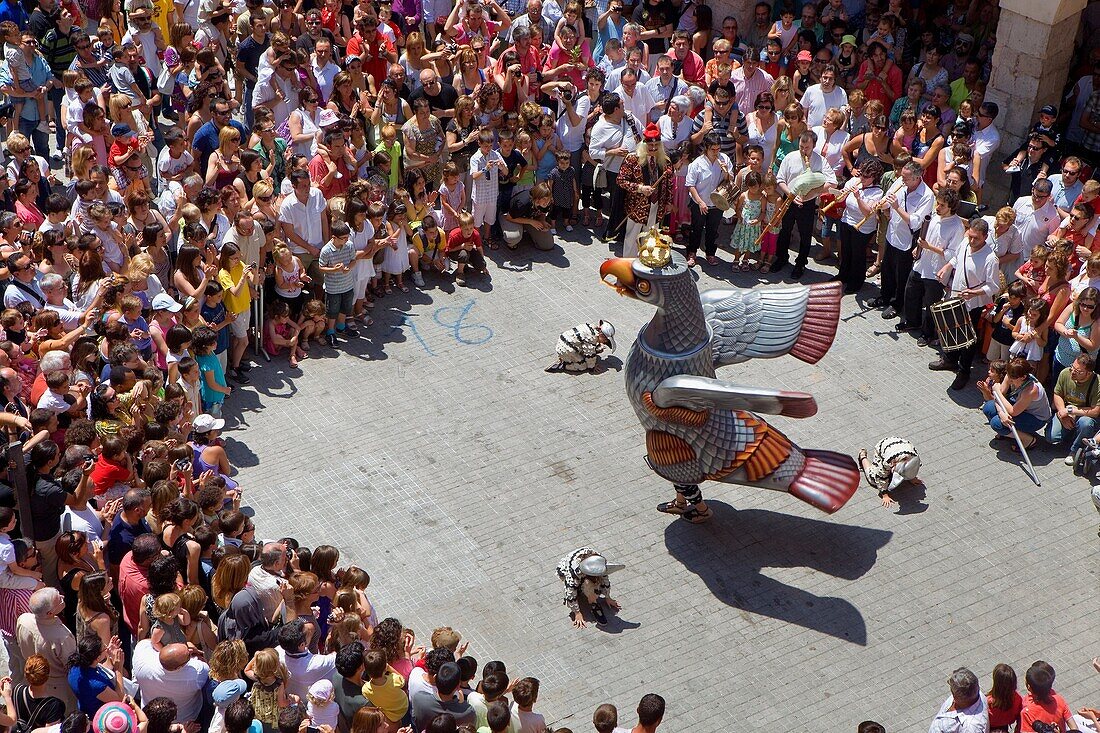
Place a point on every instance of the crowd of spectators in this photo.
(185, 180)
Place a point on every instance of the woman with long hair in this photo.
(230, 577)
(1003, 700)
(94, 612)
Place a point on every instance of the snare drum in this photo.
(953, 326)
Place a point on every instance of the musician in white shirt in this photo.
(858, 205)
(703, 176)
(935, 249)
(908, 202)
(803, 208)
(975, 277)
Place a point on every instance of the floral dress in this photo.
(745, 234)
(427, 142)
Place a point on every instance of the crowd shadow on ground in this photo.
(729, 552)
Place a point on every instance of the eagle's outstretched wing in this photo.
(763, 324)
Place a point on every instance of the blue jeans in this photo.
(1025, 421)
(1085, 428)
(40, 140)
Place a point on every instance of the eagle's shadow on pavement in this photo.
(729, 551)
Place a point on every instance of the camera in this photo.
(567, 95)
(183, 464)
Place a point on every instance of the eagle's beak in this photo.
(620, 269)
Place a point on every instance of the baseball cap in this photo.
(1049, 109)
(204, 423)
(804, 56)
(228, 692)
(121, 130)
(165, 302)
(849, 40)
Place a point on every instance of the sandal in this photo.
(872, 270)
(695, 516)
(493, 245)
(404, 288)
(671, 507)
(1016, 448)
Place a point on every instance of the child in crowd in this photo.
(281, 332)
(11, 575)
(216, 316)
(1033, 272)
(311, 323)
(169, 618)
(452, 196)
(214, 387)
(750, 211)
(526, 693)
(335, 261)
(431, 243)
(486, 168)
(269, 691)
(1029, 335)
(20, 69)
(1004, 316)
(464, 247)
(384, 687)
(397, 258)
(565, 188)
(1042, 704)
(772, 202)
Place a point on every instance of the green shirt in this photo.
(1079, 395)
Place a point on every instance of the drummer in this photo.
(935, 249)
(975, 277)
(803, 208)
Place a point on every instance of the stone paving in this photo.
(436, 453)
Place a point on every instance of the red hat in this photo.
(652, 132)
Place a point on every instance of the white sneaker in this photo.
(553, 231)
(568, 227)
(418, 279)
(1069, 460)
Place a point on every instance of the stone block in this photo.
(1024, 34)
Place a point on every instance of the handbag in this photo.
(166, 82)
(599, 176)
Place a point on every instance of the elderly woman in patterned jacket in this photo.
(584, 572)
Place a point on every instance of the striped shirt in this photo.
(721, 125)
(331, 255)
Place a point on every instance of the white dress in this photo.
(396, 261)
(364, 268)
(763, 138)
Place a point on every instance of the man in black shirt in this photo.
(249, 52)
(47, 506)
(441, 97)
(527, 214)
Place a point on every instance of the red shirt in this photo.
(1000, 718)
(107, 473)
(377, 65)
(1053, 710)
(133, 584)
(38, 388)
(456, 241)
(695, 71)
(121, 147)
(318, 169)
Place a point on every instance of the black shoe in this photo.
(901, 326)
(244, 367)
(777, 266)
(851, 290)
(923, 342)
(241, 377)
(599, 615)
(889, 313)
(961, 380)
(878, 303)
(331, 338)
(798, 272)
(941, 365)
(351, 330)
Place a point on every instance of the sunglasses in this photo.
(1087, 305)
(1078, 217)
(767, 107)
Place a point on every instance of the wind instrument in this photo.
(881, 204)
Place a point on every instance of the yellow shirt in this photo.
(227, 279)
(389, 697)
